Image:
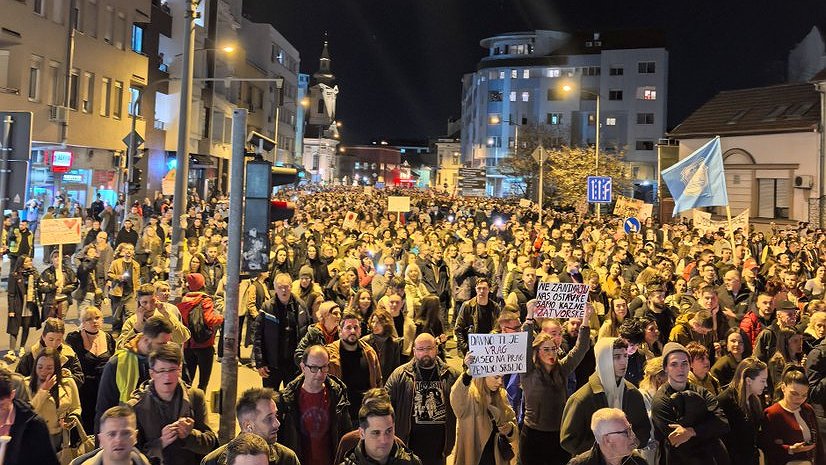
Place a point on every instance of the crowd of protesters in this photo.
(696, 347)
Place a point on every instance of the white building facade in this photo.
(521, 82)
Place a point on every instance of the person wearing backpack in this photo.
(199, 315)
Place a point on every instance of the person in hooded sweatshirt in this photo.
(199, 352)
(606, 388)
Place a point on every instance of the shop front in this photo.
(73, 174)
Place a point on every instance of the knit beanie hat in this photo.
(672, 347)
(306, 270)
(195, 282)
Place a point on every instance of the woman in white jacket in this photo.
(55, 395)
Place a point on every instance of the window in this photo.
(4, 68)
(610, 121)
(35, 69)
(117, 100)
(494, 119)
(553, 72)
(646, 67)
(74, 88)
(526, 74)
(109, 25)
(555, 94)
(647, 93)
(105, 96)
(645, 118)
(616, 71)
(773, 198)
(134, 101)
(316, 159)
(591, 71)
(90, 19)
(39, 8)
(54, 83)
(137, 38)
(88, 92)
(120, 31)
(514, 74)
(592, 119)
(494, 96)
(645, 145)
(501, 74)
(614, 94)
(493, 75)
(554, 118)
(512, 96)
(526, 96)
(494, 141)
(588, 94)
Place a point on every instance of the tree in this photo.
(566, 167)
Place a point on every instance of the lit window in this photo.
(647, 93)
(134, 101)
(514, 74)
(89, 92)
(493, 75)
(526, 96)
(554, 118)
(526, 73)
(494, 141)
(501, 75)
(513, 96)
(137, 38)
(610, 121)
(553, 72)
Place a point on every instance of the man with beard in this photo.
(354, 361)
(524, 292)
(436, 279)
(429, 431)
(478, 315)
(656, 309)
(257, 413)
(213, 270)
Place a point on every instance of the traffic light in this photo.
(136, 181)
(283, 176)
(281, 210)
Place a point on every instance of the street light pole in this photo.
(182, 155)
(596, 152)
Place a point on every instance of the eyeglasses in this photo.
(627, 432)
(314, 369)
(167, 371)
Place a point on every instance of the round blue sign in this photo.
(631, 225)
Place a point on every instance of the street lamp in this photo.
(495, 119)
(568, 88)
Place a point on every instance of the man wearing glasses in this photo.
(615, 441)
(314, 410)
(118, 436)
(420, 393)
(171, 417)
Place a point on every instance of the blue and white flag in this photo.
(698, 180)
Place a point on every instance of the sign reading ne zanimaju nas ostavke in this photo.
(497, 354)
(561, 300)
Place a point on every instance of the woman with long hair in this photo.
(54, 397)
(24, 305)
(364, 305)
(427, 318)
(614, 282)
(790, 433)
(544, 386)
(740, 401)
(93, 347)
(385, 341)
(486, 431)
(789, 352)
(615, 317)
(726, 365)
(414, 288)
(653, 377)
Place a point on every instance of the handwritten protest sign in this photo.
(60, 231)
(703, 221)
(561, 300)
(398, 204)
(497, 354)
(626, 207)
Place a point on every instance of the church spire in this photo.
(324, 75)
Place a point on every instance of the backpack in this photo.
(199, 330)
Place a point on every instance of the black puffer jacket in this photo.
(399, 455)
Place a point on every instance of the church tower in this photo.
(323, 92)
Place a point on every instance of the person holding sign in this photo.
(486, 432)
(544, 387)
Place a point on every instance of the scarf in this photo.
(127, 374)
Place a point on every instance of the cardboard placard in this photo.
(350, 220)
(497, 354)
(561, 300)
(59, 231)
(398, 204)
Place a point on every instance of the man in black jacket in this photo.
(280, 324)
(30, 442)
(378, 441)
(615, 441)
(436, 279)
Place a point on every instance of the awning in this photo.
(201, 161)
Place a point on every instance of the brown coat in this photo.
(373, 364)
(474, 426)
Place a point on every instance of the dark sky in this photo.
(399, 63)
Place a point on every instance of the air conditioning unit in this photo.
(57, 114)
(804, 181)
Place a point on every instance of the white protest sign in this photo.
(398, 204)
(561, 300)
(497, 354)
(59, 231)
(703, 222)
(645, 211)
(350, 220)
(525, 203)
(626, 207)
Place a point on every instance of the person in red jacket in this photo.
(199, 350)
(760, 316)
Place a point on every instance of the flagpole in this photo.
(730, 227)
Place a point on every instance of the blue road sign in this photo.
(631, 225)
(599, 189)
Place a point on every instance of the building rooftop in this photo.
(763, 110)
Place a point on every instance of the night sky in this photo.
(399, 63)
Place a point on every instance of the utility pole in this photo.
(229, 362)
(4, 162)
(182, 155)
(821, 87)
